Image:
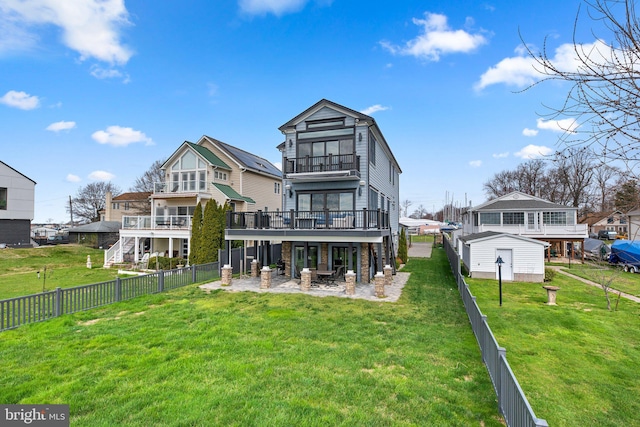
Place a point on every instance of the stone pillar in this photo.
(227, 272)
(350, 278)
(388, 275)
(88, 261)
(265, 277)
(379, 284)
(255, 268)
(364, 262)
(305, 279)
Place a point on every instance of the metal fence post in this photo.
(193, 274)
(118, 289)
(161, 281)
(502, 352)
(58, 311)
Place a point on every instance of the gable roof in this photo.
(204, 152)
(18, 172)
(245, 159)
(489, 235)
(132, 196)
(322, 103)
(209, 156)
(98, 227)
(518, 200)
(345, 110)
(232, 194)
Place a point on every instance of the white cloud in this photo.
(374, 109)
(278, 165)
(436, 39)
(521, 70)
(58, 126)
(564, 125)
(500, 155)
(101, 176)
(120, 136)
(109, 73)
(73, 178)
(276, 7)
(529, 132)
(533, 152)
(90, 27)
(20, 100)
(475, 163)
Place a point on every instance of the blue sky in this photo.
(98, 90)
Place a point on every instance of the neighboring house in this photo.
(633, 218)
(613, 221)
(525, 215)
(125, 204)
(340, 205)
(522, 257)
(99, 235)
(200, 172)
(17, 194)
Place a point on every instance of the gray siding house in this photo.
(17, 194)
(340, 201)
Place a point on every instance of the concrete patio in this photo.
(282, 284)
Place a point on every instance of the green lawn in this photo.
(625, 282)
(189, 358)
(577, 362)
(66, 266)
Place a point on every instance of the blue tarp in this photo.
(625, 251)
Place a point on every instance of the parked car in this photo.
(56, 240)
(607, 235)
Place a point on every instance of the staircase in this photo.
(115, 254)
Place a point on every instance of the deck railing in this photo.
(328, 163)
(512, 402)
(309, 220)
(166, 222)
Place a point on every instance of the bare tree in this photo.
(604, 175)
(603, 99)
(145, 183)
(91, 199)
(405, 205)
(575, 167)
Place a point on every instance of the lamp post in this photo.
(500, 262)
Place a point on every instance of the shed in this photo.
(523, 258)
(100, 235)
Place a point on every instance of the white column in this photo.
(136, 248)
(170, 247)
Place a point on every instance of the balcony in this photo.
(309, 220)
(541, 231)
(332, 164)
(169, 222)
(178, 187)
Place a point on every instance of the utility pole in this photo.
(71, 210)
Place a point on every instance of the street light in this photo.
(500, 262)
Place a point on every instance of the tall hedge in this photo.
(403, 251)
(208, 244)
(196, 233)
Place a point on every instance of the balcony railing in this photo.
(309, 220)
(577, 230)
(168, 222)
(180, 187)
(329, 163)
